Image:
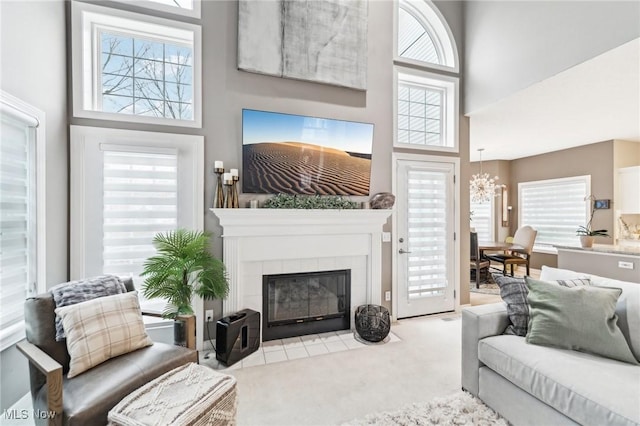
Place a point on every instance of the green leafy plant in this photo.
(286, 201)
(181, 268)
(587, 231)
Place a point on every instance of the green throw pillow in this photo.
(579, 318)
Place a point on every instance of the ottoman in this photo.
(188, 395)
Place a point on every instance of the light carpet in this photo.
(458, 409)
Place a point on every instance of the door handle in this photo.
(402, 251)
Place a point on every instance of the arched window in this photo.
(424, 36)
(426, 101)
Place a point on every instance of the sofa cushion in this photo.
(513, 292)
(102, 328)
(589, 389)
(89, 396)
(627, 309)
(579, 318)
(79, 291)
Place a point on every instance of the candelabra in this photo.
(234, 191)
(218, 198)
(228, 194)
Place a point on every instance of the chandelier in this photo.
(482, 186)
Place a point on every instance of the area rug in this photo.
(458, 409)
(485, 288)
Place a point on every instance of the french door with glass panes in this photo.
(425, 244)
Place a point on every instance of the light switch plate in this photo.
(386, 237)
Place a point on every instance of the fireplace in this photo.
(305, 303)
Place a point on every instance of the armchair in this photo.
(87, 398)
(523, 239)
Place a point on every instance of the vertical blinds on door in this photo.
(555, 208)
(17, 215)
(427, 228)
(140, 199)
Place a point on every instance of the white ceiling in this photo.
(595, 101)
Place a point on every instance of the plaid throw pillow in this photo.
(514, 293)
(102, 328)
(78, 291)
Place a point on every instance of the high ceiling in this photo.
(595, 101)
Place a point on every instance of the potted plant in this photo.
(587, 235)
(181, 268)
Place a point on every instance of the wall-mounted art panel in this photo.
(323, 41)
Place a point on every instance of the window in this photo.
(22, 249)
(482, 220)
(189, 8)
(555, 208)
(134, 67)
(126, 186)
(423, 36)
(426, 110)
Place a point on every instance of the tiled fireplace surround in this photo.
(261, 242)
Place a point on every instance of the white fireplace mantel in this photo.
(299, 237)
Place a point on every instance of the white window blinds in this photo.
(555, 208)
(140, 199)
(482, 220)
(18, 267)
(427, 227)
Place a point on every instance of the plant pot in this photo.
(586, 241)
(179, 333)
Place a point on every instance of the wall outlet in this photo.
(208, 314)
(387, 296)
(625, 265)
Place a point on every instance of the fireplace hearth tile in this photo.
(353, 344)
(317, 349)
(256, 358)
(336, 346)
(329, 337)
(273, 345)
(275, 356)
(345, 335)
(292, 342)
(311, 339)
(296, 352)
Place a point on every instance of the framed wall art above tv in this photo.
(295, 154)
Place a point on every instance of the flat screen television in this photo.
(295, 154)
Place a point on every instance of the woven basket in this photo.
(372, 322)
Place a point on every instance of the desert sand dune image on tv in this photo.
(293, 154)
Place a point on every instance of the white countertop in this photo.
(606, 248)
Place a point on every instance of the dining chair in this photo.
(475, 262)
(525, 237)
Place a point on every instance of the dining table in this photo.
(497, 246)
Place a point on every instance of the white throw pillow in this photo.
(553, 274)
(102, 328)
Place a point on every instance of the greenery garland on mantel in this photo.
(286, 201)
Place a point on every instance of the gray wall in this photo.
(33, 68)
(595, 160)
(510, 45)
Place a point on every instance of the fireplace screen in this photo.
(305, 303)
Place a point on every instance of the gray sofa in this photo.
(537, 385)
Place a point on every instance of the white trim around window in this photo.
(33, 119)
(449, 87)
(193, 12)
(90, 21)
(432, 19)
(555, 208)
